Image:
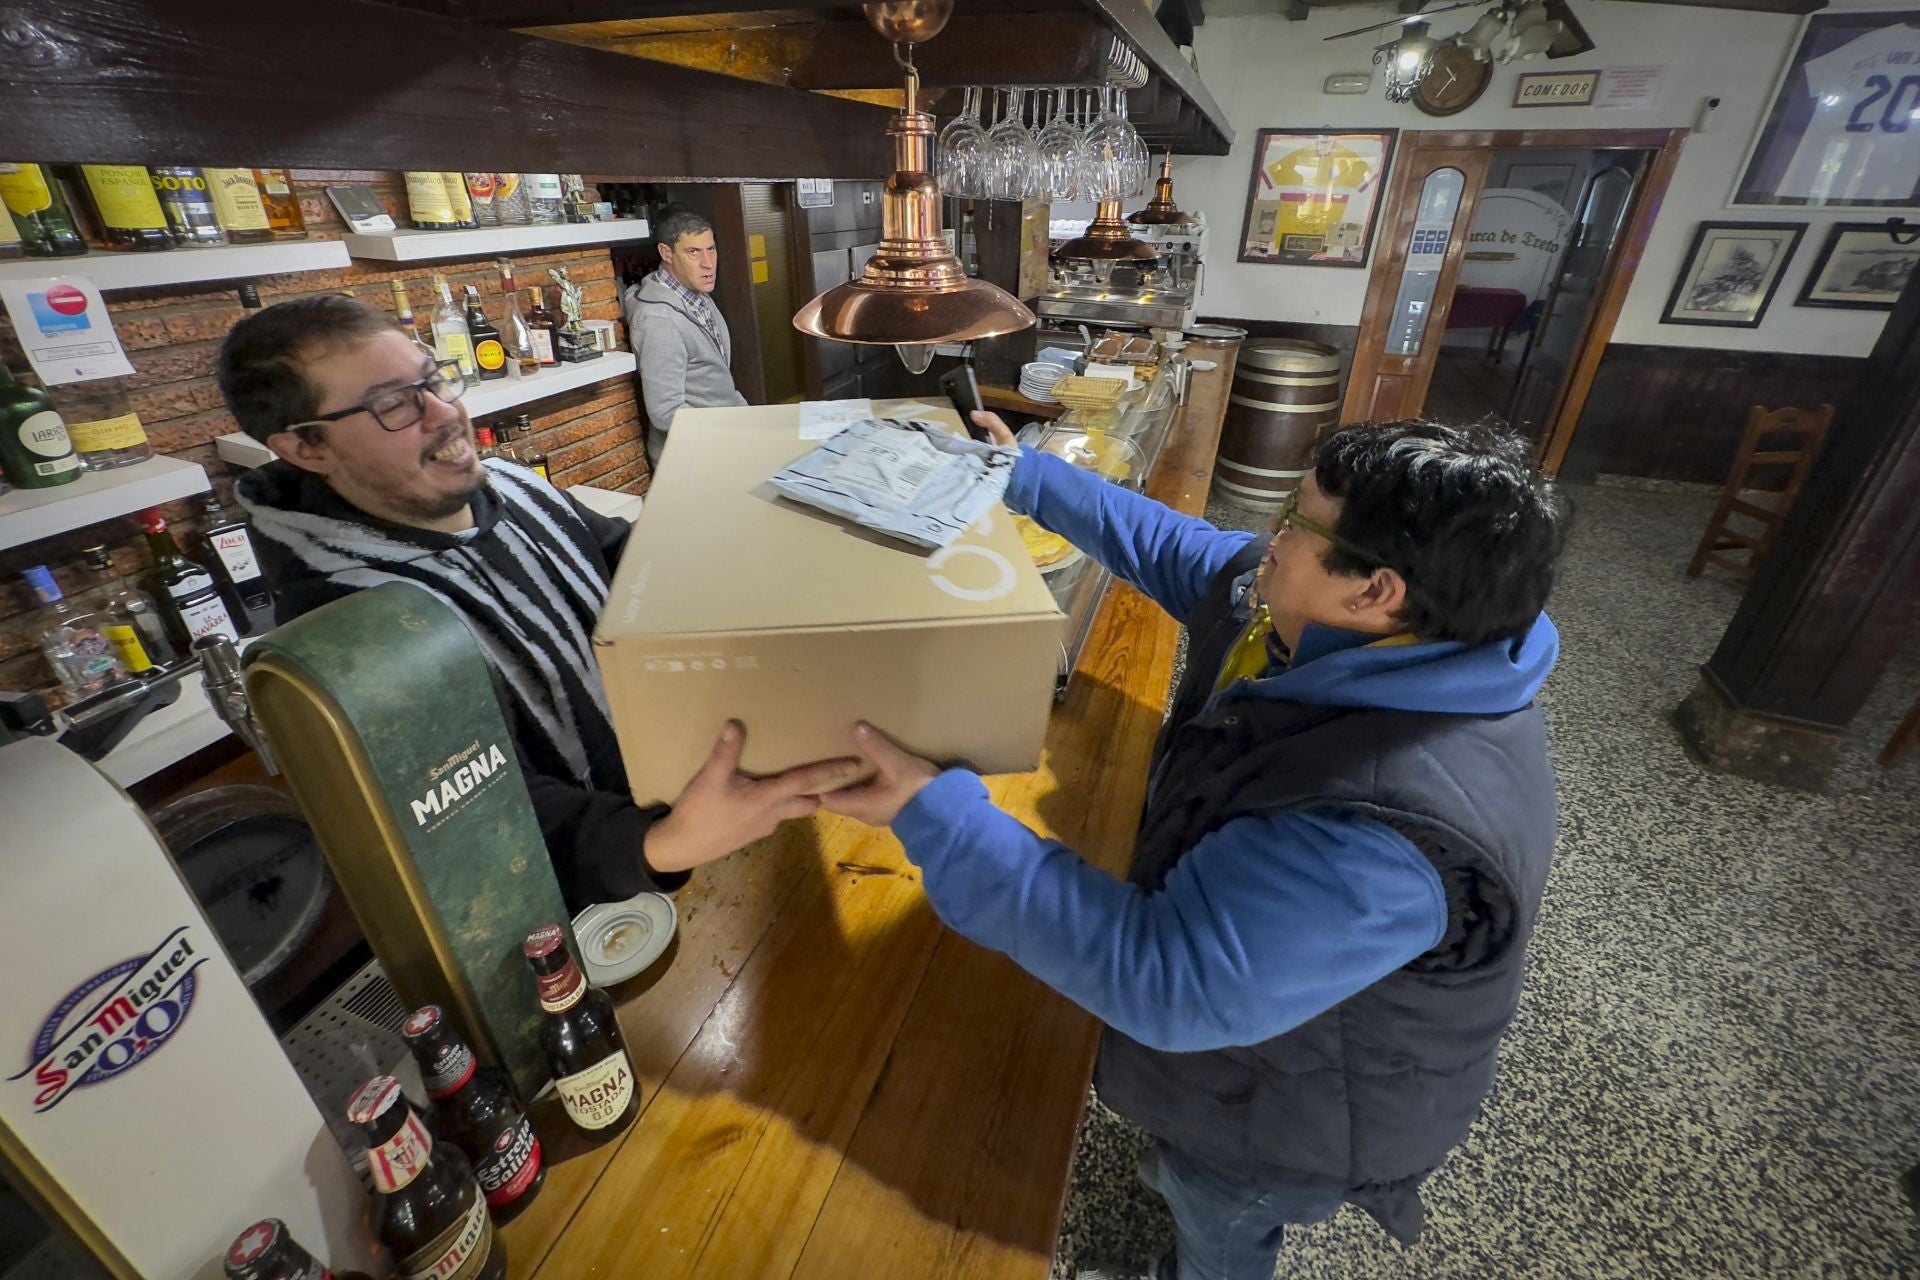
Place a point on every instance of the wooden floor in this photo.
(835, 1084)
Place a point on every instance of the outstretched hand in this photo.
(898, 775)
(722, 809)
(997, 430)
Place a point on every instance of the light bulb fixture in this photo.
(1108, 240)
(1407, 59)
(913, 294)
(1161, 211)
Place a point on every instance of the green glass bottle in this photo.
(35, 449)
(40, 212)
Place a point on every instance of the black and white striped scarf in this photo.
(528, 581)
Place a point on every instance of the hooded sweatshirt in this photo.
(1268, 921)
(529, 580)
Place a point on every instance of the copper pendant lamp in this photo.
(1161, 211)
(914, 293)
(1108, 240)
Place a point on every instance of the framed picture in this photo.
(1859, 268)
(1315, 197)
(1731, 273)
(1841, 131)
(1555, 88)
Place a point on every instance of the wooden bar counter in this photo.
(837, 1086)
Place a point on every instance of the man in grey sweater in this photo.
(684, 349)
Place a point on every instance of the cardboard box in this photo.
(731, 601)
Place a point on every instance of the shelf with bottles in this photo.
(482, 398)
(422, 246)
(111, 270)
(28, 515)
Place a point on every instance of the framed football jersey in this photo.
(1844, 130)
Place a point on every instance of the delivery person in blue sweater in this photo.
(1307, 974)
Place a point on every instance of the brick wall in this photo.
(590, 436)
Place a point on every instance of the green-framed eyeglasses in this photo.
(1290, 516)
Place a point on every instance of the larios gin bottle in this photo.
(591, 1070)
(427, 1209)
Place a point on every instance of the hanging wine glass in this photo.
(1061, 149)
(961, 151)
(1011, 170)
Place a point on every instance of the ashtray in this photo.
(619, 939)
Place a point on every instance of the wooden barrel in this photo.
(1286, 392)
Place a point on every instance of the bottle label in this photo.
(427, 198)
(543, 346)
(273, 184)
(510, 1168)
(45, 434)
(561, 991)
(399, 1160)
(458, 1253)
(24, 188)
(126, 642)
(455, 346)
(506, 186)
(104, 434)
(598, 1096)
(481, 187)
(451, 1071)
(541, 467)
(236, 201)
(235, 549)
(124, 194)
(456, 187)
(545, 186)
(489, 354)
(206, 615)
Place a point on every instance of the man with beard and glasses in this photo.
(377, 480)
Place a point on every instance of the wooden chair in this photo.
(1904, 740)
(1801, 432)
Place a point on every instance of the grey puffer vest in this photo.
(1370, 1096)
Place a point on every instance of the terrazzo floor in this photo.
(1715, 1071)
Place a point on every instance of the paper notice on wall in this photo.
(1633, 88)
(824, 419)
(64, 329)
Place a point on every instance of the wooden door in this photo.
(1430, 206)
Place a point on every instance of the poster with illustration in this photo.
(1862, 267)
(1315, 197)
(1845, 125)
(1731, 273)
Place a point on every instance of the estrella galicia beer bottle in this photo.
(427, 1209)
(591, 1070)
(474, 1109)
(264, 1251)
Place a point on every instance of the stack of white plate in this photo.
(1037, 379)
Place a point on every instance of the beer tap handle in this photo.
(220, 672)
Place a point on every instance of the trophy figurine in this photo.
(570, 342)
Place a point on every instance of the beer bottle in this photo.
(474, 1109)
(427, 1209)
(591, 1070)
(264, 1251)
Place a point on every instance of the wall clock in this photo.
(1454, 81)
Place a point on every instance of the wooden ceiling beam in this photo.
(1750, 6)
(991, 49)
(378, 87)
(554, 13)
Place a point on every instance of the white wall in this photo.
(1266, 72)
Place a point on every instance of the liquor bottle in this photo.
(545, 197)
(267, 1251)
(483, 442)
(188, 591)
(542, 327)
(456, 185)
(136, 628)
(489, 353)
(40, 211)
(427, 1209)
(11, 246)
(74, 640)
(189, 207)
(105, 430)
(237, 203)
(473, 1107)
(403, 315)
(591, 1070)
(516, 333)
(428, 206)
(480, 189)
(282, 202)
(451, 341)
(574, 205)
(529, 455)
(226, 542)
(35, 448)
(510, 200)
(123, 203)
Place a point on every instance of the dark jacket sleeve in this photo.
(596, 842)
(609, 534)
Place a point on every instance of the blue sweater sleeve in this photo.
(1261, 926)
(1169, 556)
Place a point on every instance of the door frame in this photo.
(1617, 274)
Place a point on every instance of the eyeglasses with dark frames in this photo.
(397, 408)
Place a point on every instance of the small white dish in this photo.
(1205, 366)
(619, 939)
